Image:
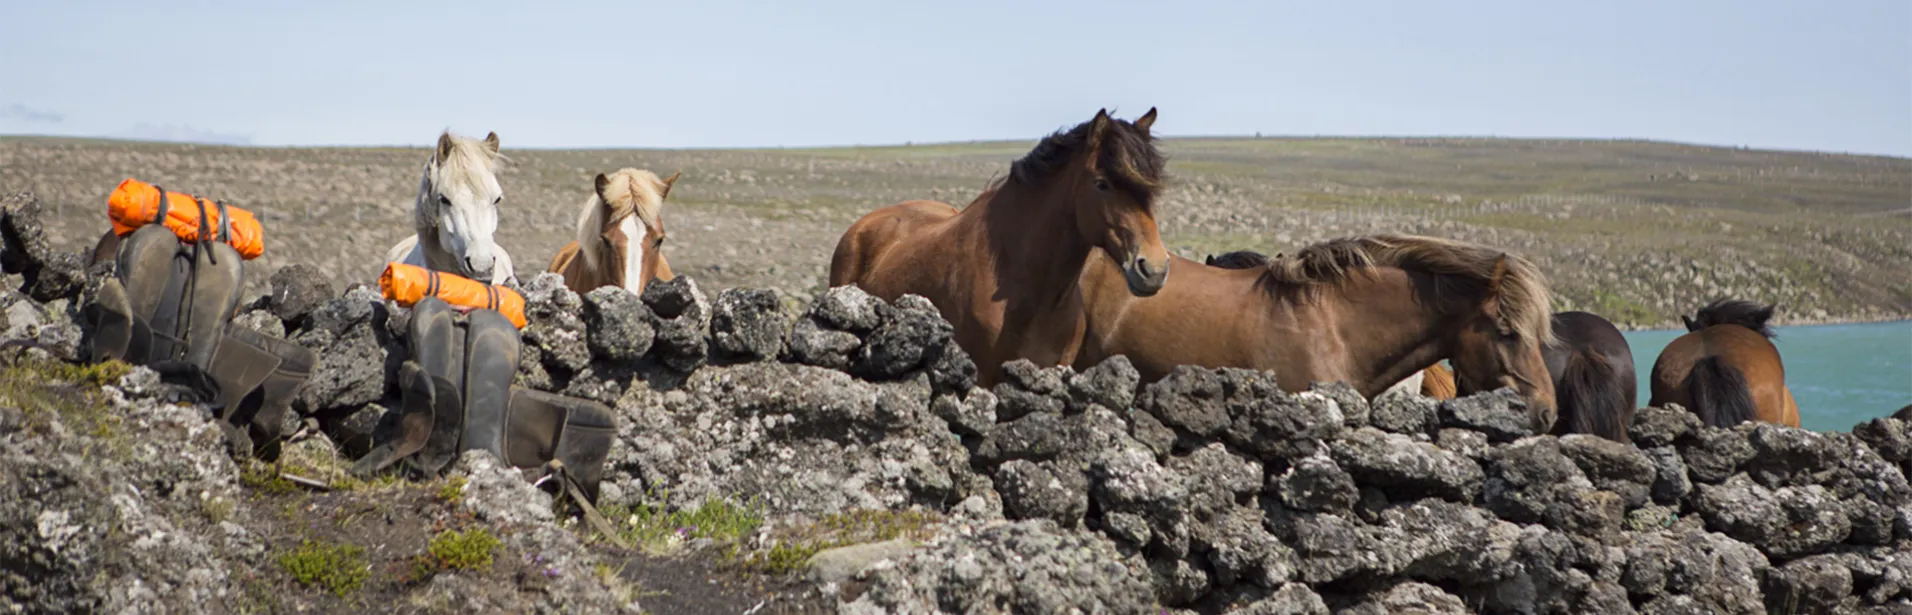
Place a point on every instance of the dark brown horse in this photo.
(1725, 368)
(1369, 311)
(1004, 270)
(1592, 368)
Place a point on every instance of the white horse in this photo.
(457, 212)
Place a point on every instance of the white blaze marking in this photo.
(635, 236)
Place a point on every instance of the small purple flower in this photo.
(551, 572)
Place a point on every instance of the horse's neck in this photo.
(1387, 329)
(1032, 240)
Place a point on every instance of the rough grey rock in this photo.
(1110, 384)
(841, 563)
(1670, 484)
(1291, 599)
(748, 324)
(352, 368)
(60, 487)
(1612, 466)
(1713, 454)
(907, 340)
(1532, 481)
(1684, 570)
(295, 291)
(1789, 456)
(1023, 567)
(1355, 409)
(46, 274)
(1317, 484)
(683, 320)
(1405, 413)
(1409, 597)
(261, 321)
(618, 325)
(50, 327)
(801, 438)
(498, 494)
(1785, 523)
(1891, 438)
(848, 308)
(973, 415)
(1046, 490)
(1814, 584)
(359, 305)
(814, 344)
(1026, 389)
(1406, 469)
(1654, 427)
(1501, 414)
(1470, 444)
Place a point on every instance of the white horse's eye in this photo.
(500, 199)
(444, 200)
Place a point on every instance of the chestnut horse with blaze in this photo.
(1725, 368)
(1369, 311)
(1004, 270)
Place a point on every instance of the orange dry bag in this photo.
(136, 203)
(407, 284)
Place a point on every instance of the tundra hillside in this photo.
(1636, 231)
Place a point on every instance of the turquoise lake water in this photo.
(1840, 375)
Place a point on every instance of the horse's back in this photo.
(884, 244)
(1754, 358)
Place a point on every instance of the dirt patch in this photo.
(694, 583)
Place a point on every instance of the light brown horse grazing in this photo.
(1368, 311)
(1004, 270)
(1725, 368)
(620, 234)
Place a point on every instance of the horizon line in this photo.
(993, 141)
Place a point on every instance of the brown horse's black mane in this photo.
(1734, 312)
(1239, 259)
(1127, 157)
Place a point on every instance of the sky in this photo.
(1827, 76)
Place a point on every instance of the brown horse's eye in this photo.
(1102, 183)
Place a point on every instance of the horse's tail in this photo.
(1719, 392)
(1597, 404)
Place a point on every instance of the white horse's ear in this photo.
(491, 143)
(444, 145)
(602, 181)
(668, 182)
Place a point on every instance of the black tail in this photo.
(1591, 401)
(1719, 393)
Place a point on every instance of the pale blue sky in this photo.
(1825, 75)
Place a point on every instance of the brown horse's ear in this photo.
(491, 142)
(1097, 127)
(1147, 120)
(668, 182)
(444, 145)
(1688, 321)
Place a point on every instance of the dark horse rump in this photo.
(458, 395)
(1593, 374)
(169, 306)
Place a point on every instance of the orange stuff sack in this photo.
(408, 284)
(136, 203)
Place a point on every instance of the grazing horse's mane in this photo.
(469, 158)
(630, 192)
(1239, 259)
(1734, 312)
(1524, 298)
(1126, 155)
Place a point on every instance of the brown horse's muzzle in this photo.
(1145, 277)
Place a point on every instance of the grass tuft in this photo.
(340, 569)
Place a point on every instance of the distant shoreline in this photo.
(1797, 322)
